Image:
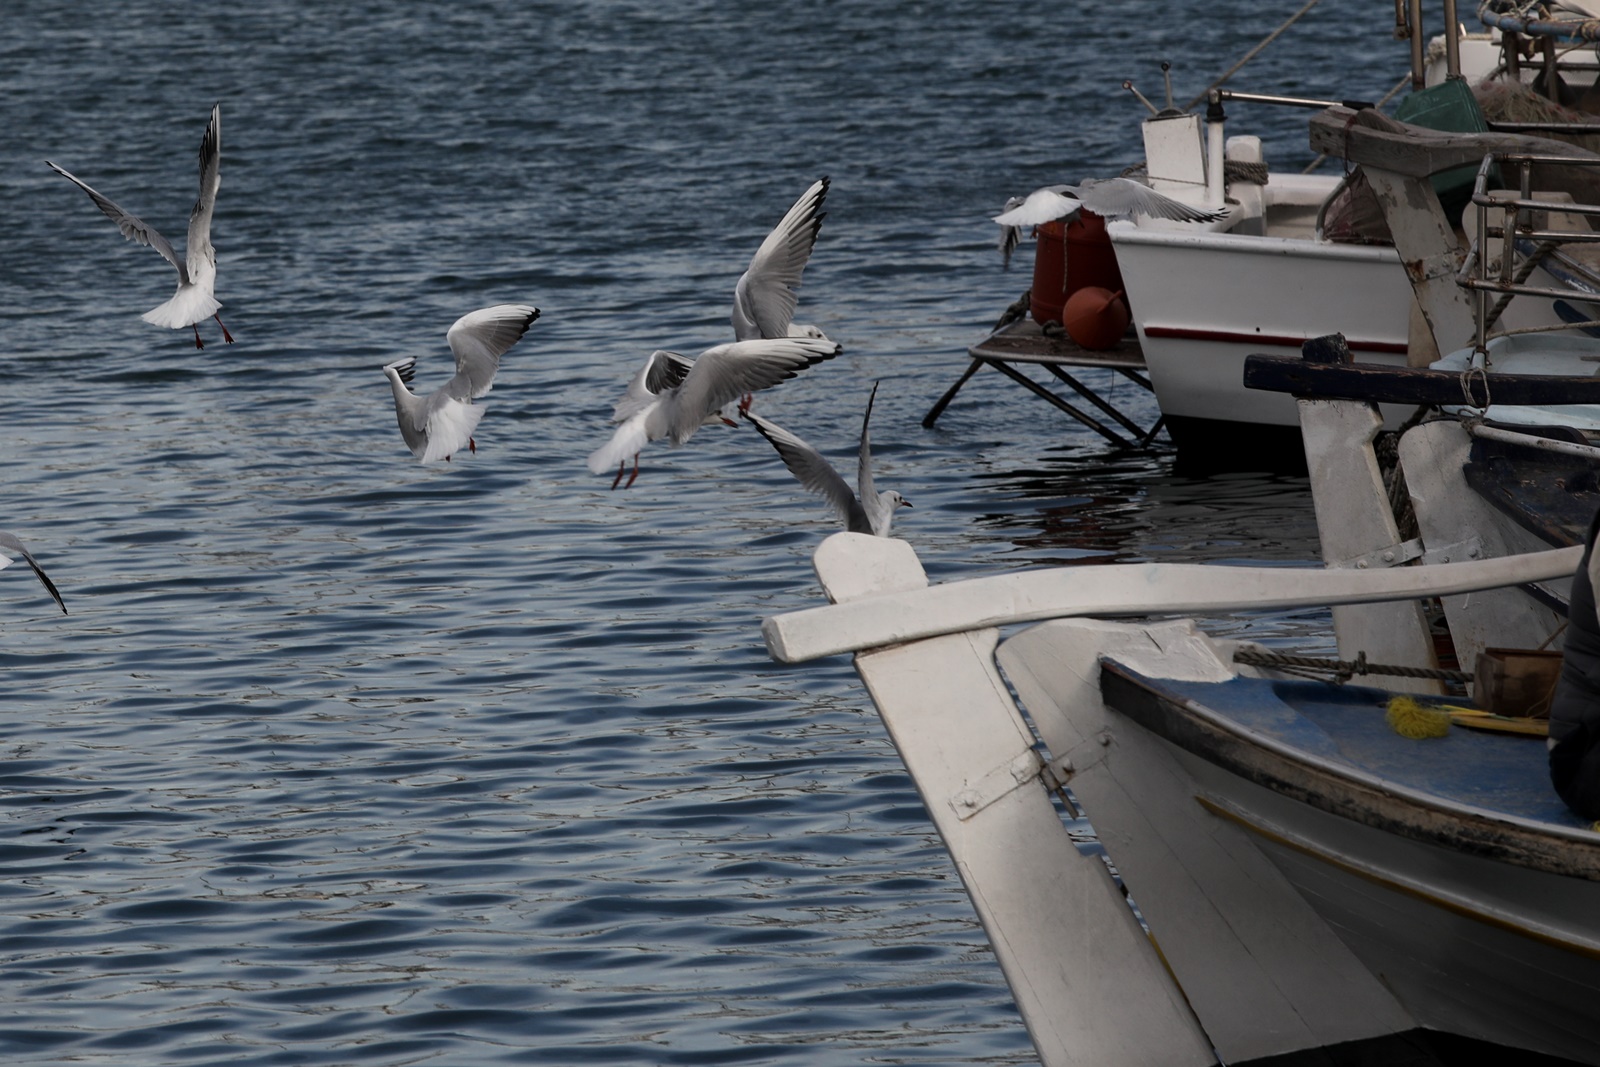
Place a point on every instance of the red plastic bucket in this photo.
(1068, 258)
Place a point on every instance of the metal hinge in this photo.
(1003, 781)
(1471, 548)
(1393, 556)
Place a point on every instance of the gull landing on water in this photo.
(197, 272)
(870, 512)
(11, 548)
(713, 381)
(437, 426)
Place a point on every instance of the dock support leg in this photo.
(950, 394)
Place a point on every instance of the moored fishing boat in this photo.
(1306, 877)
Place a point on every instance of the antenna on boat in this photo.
(1166, 75)
(1128, 85)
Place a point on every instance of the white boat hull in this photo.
(1203, 301)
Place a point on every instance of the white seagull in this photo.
(197, 272)
(11, 548)
(717, 378)
(438, 425)
(870, 512)
(1110, 198)
(764, 298)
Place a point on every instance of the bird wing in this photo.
(869, 495)
(728, 371)
(132, 226)
(479, 339)
(1040, 206)
(10, 548)
(1010, 236)
(661, 371)
(814, 472)
(1123, 198)
(200, 255)
(764, 298)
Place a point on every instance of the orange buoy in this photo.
(1095, 317)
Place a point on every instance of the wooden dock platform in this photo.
(1025, 342)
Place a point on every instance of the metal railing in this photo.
(1524, 246)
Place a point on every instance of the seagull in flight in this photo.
(679, 406)
(1110, 198)
(764, 299)
(197, 272)
(11, 548)
(438, 425)
(870, 511)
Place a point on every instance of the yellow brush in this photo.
(1410, 718)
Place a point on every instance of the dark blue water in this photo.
(343, 760)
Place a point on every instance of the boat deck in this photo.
(1345, 725)
(1024, 342)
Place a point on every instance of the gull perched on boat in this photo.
(438, 425)
(869, 511)
(11, 548)
(1110, 198)
(679, 406)
(197, 271)
(764, 299)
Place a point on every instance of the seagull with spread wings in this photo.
(438, 425)
(688, 393)
(867, 511)
(197, 271)
(764, 299)
(1110, 198)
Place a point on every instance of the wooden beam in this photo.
(1115, 590)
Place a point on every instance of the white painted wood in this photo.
(1355, 522)
(1262, 970)
(1450, 513)
(1120, 589)
(1086, 979)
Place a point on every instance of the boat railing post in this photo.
(1452, 41)
(1417, 45)
(1216, 150)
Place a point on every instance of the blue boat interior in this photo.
(1346, 724)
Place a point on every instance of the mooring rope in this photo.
(1273, 36)
(1344, 670)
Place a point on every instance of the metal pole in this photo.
(1452, 40)
(1417, 46)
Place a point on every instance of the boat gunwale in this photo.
(1127, 233)
(1348, 792)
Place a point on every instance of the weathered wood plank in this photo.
(1289, 983)
(1086, 979)
(1413, 385)
(1372, 139)
(1117, 589)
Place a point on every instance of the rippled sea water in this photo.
(343, 760)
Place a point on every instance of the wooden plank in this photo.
(1374, 140)
(1116, 589)
(1355, 522)
(1086, 979)
(1410, 385)
(1454, 519)
(1024, 342)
